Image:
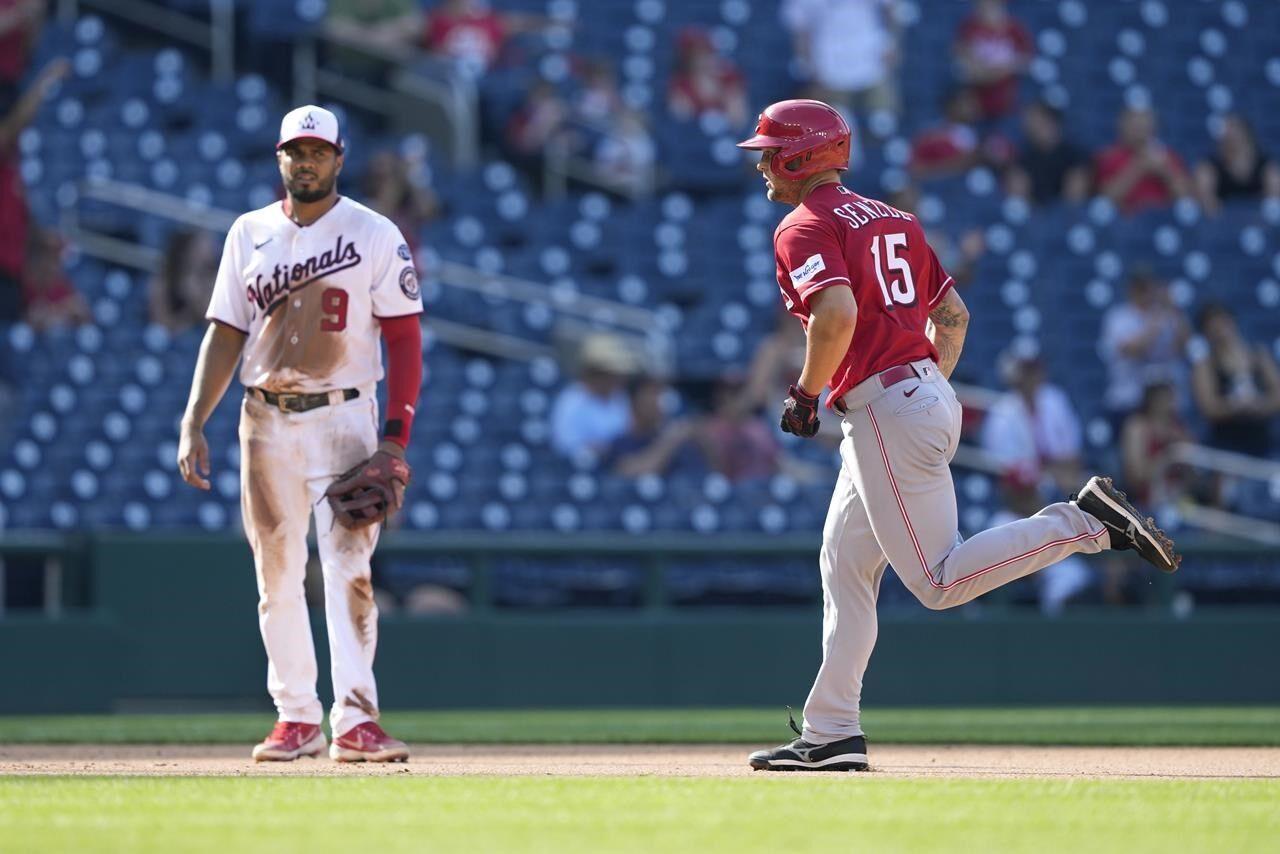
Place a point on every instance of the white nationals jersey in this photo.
(309, 296)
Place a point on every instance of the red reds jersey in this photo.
(1005, 45)
(837, 238)
(1149, 191)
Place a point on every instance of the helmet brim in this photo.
(761, 141)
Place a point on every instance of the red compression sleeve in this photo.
(404, 374)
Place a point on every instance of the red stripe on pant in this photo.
(924, 565)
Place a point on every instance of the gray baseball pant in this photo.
(895, 503)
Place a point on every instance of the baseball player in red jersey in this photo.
(306, 289)
(884, 331)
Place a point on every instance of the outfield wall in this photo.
(160, 623)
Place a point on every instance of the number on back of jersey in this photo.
(892, 271)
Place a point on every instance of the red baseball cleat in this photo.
(368, 743)
(288, 741)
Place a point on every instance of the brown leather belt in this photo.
(299, 402)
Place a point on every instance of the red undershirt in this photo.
(404, 374)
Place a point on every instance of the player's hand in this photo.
(193, 457)
(800, 413)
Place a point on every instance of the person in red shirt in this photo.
(20, 24)
(51, 299)
(952, 146)
(13, 203)
(704, 81)
(471, 33)
(1139, 171)
(992, 50)
(884, 330)
(956, 145)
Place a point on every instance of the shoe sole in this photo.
(346, 754)
(313, 748)
(843, 762)
(1103, 489)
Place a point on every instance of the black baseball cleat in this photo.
(847, 754)
(1127, 528)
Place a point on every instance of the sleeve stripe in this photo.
(808, 286)
(942, 291)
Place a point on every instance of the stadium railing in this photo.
(215, 36)
(637, 325)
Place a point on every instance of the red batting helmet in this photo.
(810, 136)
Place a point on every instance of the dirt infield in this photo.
(651, 760)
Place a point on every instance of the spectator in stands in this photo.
(654, 442)
(401, 193)
(959, 253)
(1033, 431)
(51, 299)
(542, 118)
(992, 50)
(1048, 167)
(371, 33)
(471, 34)
(778, 359)
(597, 104)
(1139, 171)
(738, 446)
(180, 291)
(20, 25)
(13, 204)
(593, 411)
(1142, 342)
(848, 49)
(955, 145)
(1236, 385)
(704, 82)
(1236, 169)
(626, 156)
(1146, 439)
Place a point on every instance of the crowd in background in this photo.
(1170, 380)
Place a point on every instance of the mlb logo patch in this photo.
(806, 271)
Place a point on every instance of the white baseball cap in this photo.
(310, 122)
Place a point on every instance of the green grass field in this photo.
(1240, 725)
(760, 812)
(777, 813)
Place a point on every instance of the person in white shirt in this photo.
(849, 49)
(307, 290)
(1033, 427)
(1142, 342)
(594, 410)
(1033, 433)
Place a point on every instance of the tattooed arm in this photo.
(946, 327)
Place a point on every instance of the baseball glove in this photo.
(370, 492)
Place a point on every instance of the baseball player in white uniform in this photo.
(884, 330)
(306, 289)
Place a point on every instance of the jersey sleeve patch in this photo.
(409, 283)
(812, 266)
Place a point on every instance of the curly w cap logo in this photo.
(806, 271)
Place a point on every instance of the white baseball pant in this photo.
(287, 460)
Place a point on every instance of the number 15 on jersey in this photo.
(899, 289)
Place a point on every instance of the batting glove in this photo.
(800, 413)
